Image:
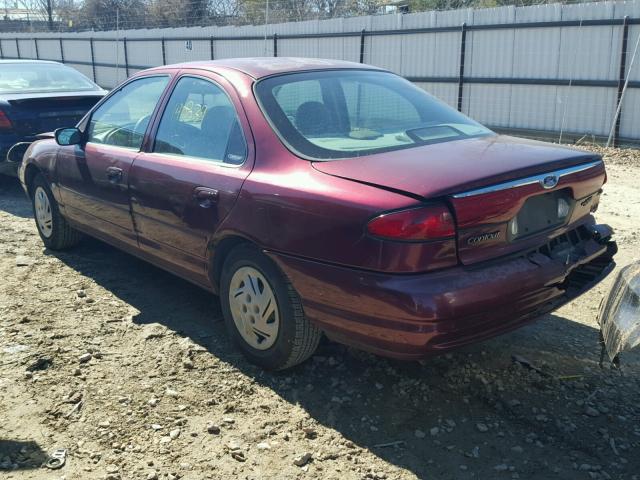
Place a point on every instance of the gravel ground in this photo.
(129, 369)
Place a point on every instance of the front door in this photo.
(190, 178)
(93, 176)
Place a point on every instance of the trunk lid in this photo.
(488, 182)
(525, 213)
(33, 114)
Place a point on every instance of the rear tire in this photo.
(263, 312)
(53, 229)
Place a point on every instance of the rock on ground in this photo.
(163, 394)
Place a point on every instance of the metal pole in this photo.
(266, 23)
(275, 44)
(164, 53)
(624, 88)
(61, 50)
(266, 14)
(362, 46)
(211, 48)
(126, 57)
(93, 60)
(18, 47)
(117, 46)
(35, 41)
(463, 49)
(621, 78)
(50, 15)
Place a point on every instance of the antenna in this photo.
(117, 45)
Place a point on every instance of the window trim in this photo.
(310, 158)
(204, 161)
(209, 161)
(105, 99)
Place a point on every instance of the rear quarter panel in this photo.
(287, 206)
(301, 213)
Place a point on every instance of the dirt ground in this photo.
(129, 369)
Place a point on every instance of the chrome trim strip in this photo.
(528, 180)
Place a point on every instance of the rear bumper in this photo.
(9, 168)
(6, 142)
(413, 316)
(6, 168)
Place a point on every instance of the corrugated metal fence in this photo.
(551, 70)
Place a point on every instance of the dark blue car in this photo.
(38, 97)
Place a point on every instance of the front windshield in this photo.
(349, 113)
(41, 78)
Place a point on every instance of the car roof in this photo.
(258, 67)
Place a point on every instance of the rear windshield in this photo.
(41, 78)
(348, 113)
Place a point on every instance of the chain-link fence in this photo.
(555, 71)
(102, 15)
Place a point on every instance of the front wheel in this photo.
(54, 230)
(263, 312)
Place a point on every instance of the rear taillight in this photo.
(425, 223)
(5, 123)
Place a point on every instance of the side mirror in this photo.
(68, 136)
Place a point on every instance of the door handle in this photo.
(205, 196)
(114, 174)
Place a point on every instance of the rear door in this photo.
(93, 176)
(188, 179)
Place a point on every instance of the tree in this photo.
(109, 14)
(178, 13)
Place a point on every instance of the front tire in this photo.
(53, 229)
(263, 313)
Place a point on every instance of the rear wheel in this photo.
(263, 312)
(54, 230)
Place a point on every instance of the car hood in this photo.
(451, 167)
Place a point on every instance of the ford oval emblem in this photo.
(549, 181)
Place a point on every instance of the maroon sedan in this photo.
(319, 196)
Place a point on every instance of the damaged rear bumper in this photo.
(412, 316)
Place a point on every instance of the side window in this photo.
(200, 121)
(123, 118)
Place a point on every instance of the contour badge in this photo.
(476, 239)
